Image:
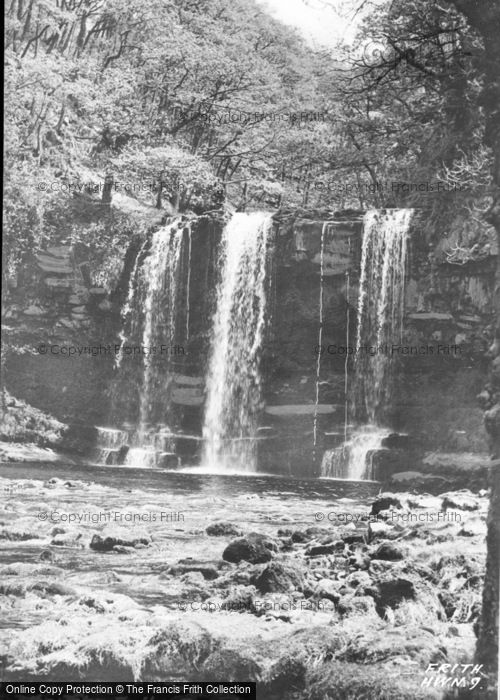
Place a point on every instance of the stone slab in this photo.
(430, 316)
(301, 410)
(185, 380)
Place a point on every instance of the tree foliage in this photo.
(185, 101)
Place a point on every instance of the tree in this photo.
(449, 54)
(484, 18)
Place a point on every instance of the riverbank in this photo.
(313, 589)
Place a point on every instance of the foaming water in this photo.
(142, 457)
(233, 383)
(380, 325)
(110, 441)
(172, 510)
(128, 307)
(320, 338)
(222, 470)
(354, 459)
(150, 322)
(161, 273)
(186, 481)
(380, 310)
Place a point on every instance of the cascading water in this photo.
(380, 325)
(150, 320)
(128, 307)
(233, 384)
(353, 460)
(188, 286)
(112, 445)
(320, 337)
(380, 310)
(161, 280)
(161, 275)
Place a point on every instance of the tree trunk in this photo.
(484, 17)
(487, 645)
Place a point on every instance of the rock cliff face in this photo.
(305, 271)
(449, 308)
(69, 298)
(56, 320)
(440, 365)
(63, 313)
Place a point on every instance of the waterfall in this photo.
(320, 337)
(151, 317)
(380, 325)
(161, 276)
(380, 310)
(111, 446)
(233, 384)
(346, 363)
(188, 286)
(128, 307)
(354, 460)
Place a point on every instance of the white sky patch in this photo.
(324, 22)
(316, 21)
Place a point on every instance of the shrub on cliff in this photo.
(21, 422)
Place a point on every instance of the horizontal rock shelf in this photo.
(429, 316)
(301, 410)
(183, 379)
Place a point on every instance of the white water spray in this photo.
(128, 306)
(161, 274)
(380, 310)
(320, 337)
(233, 382)
(380, 325)
(188, 286)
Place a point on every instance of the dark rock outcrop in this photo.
(106, 544)
(279, 577)
(385, 502)
(223, 530)
(319, 549)
(391, 592)
(209, 570)
(388, 551)
(311, 533)
(254, 548)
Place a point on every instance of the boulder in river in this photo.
(279, 577)
(223, 530)
(316, 550)
(312, 533)
(254, 548)
(389, 552)
(106, 544)
(459, 500)
(391, 592)
(208, 570)
(385, 502)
